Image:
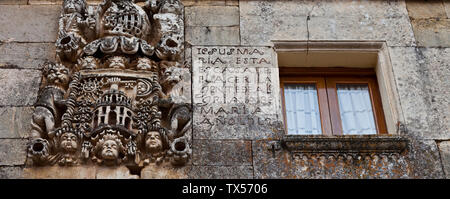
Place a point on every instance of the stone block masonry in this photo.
(430, 22)
(231, 78)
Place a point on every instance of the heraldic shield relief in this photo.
(112, 98)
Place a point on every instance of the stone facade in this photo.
(230, 79)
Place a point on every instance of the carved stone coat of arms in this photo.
(111, 97)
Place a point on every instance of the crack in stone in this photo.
(307, 33)
(308, 18)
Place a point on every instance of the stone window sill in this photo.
(344, 144)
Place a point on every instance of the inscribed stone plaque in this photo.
(235, 92)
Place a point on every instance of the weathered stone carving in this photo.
(108, 100)
(351, 165)
(314, 151)
(349, 144)
(72, 26)
(50, 105)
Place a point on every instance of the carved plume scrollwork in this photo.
(108, 100)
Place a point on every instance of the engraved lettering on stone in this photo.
(233, 89)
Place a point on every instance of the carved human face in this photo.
(110, 150)
(73, 6)
(58, 75)
(69, 142)
(141, 87)
(117, 62)
(153, 142)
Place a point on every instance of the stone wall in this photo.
(21, 53)
(417, 34)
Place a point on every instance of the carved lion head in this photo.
(56, 74)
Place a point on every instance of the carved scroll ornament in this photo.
(108, 100)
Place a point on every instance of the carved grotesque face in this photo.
(117, 62)
(73, 6)
(171, 76)
(88, 63)
(58, 75)
(110, 150)
(69, 142)
(153, 142)
(146, 64)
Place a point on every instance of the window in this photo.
(331, 101)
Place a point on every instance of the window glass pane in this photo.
(356, 109)
(302, 109)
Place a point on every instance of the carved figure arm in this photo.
(87, 24)
(164, 100)
(103, 6)
(66, 20)
(101, 9)
(62, 31)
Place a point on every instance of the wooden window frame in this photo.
(326, 80)
(322, 99)
(375, 100)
